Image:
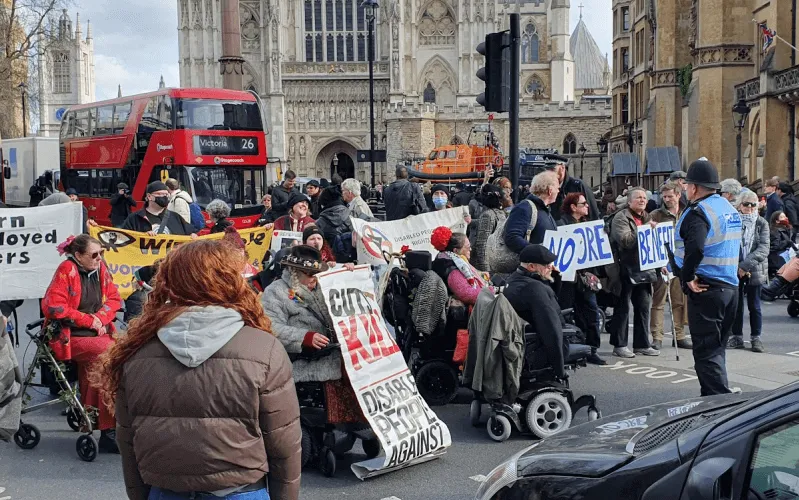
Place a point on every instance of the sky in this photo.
(135, 42)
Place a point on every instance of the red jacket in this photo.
(62, 299)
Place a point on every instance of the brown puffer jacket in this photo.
(207, 407)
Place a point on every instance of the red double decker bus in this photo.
(211, 140)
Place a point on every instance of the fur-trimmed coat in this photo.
(61, 301)
(291, 321)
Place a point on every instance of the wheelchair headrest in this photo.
(421, 260)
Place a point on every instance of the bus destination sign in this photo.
(221, 145)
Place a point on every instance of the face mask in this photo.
(161, 201)
(439, 202)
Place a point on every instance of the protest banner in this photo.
(652, 243)
(579, 246)
(376, 240)
(28, 241)
(128, 251)
(283, 239)
(408, 430)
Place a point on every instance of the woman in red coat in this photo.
(84, 300)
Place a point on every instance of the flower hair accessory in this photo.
(440, 238)
(62, 248)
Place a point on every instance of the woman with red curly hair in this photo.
(203, 393)
(463, 281)
(82, 300)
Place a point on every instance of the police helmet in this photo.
(703, 173)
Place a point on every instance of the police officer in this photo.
(707, 242)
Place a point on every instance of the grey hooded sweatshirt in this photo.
(199, 333)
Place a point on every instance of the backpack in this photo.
(197, 219)
(502, 259)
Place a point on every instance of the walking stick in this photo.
(671, 313)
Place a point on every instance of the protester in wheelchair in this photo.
(302, 322)
(463, 281)
(79, 307)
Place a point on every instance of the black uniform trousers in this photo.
(711, 315)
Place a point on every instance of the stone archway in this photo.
(346, 154)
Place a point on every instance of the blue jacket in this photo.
(518, 224)
(722, 246)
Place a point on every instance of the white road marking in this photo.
(652, 372)
(390, 498)
(479, 478)
(795, 354)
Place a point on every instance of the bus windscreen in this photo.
(236, 186)
(214, 114)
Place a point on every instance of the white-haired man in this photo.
(731, 190)
(351, 193)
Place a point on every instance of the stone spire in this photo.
(78, 31)
(88, 30)
(161, 84)
(119, 91)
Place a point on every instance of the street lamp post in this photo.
(582, 152)
(24, 91)
(602, 147)
(369, 8)
(739, 114)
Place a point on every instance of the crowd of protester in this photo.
(213, 336)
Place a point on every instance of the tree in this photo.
(26, 26)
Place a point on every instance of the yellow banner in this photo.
(128, 251)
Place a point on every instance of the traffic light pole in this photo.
(513, 140)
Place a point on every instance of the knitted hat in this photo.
(156, 186)
(310, 231)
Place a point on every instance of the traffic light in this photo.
(495, 73)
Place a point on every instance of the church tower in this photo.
(562, 62)
(66, 73)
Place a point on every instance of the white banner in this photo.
(579, 246)
(28, 241)
(283, 239)
(408, 430)
(377, 239)
(652, 242)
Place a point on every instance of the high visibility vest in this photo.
(723, 244)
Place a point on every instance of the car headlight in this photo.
(503, 475)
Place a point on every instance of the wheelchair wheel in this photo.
(602, 317)
(307, 446)
(793, 309)
(74, 420)
(548, 414)
(86, 446)
(499, 428)
(27, 436)
(475, 409)
(437, 382)
(327, 462)
(371, 447)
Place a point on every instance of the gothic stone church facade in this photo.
(308, 61)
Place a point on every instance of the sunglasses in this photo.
(96, 255)
(748, 204)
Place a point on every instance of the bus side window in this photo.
(82, 123)
(104, 182)
(105, 119)
(81, 181)
(121, 116)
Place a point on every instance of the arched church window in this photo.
(61, 78)
(530, 45)
(437, 25)
(535, 87)
(335, 31)
(570, 145)
(251, 88)
(429, 94)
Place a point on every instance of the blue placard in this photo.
(652, 243)
(59, 113)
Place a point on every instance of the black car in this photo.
(731, 447)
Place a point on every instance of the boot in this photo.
(594, 358)
(108, 441)
(774, 289)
